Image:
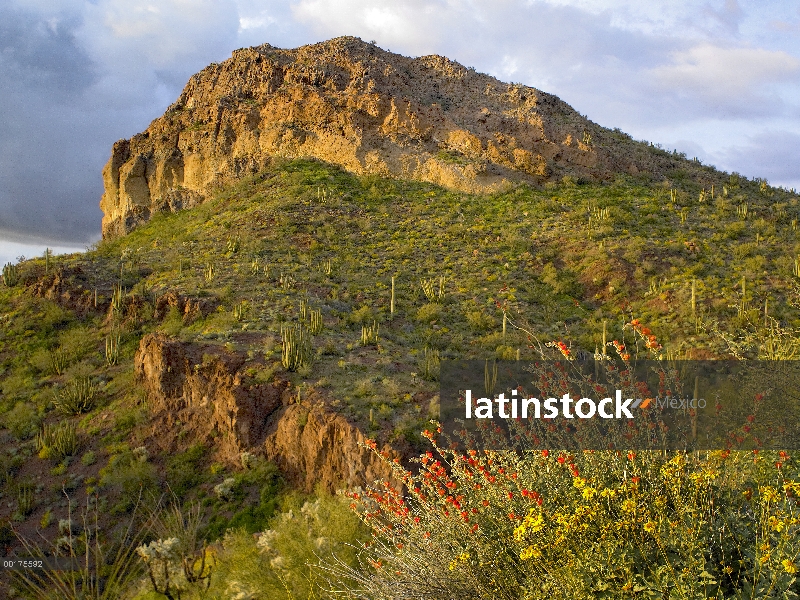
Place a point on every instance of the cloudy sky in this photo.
(719, 79)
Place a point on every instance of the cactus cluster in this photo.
(233, 245)
(741, 210)
(304, 309)
(326, 267)
(256, 267)
(311, 317)
(369, 334)
(25, 498)
(286, 280)
(430, 292)
(315, 324)
(58, 361)
(117, 297)
(57, 441)
(490, 377)
(208, 272)
(10, 275)
(430, 364)
(240, 311)
(295, 347)
(112, 349)
(77, 397)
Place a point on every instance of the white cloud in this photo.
(11, 251)
(263, 19)
(169, 34)
(413, 25)
(718, 75)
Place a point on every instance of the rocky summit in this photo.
(353, 104)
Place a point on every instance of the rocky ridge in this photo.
(202, 391)
(371, 111)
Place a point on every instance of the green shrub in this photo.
(480, 321)
(173, 322)
(129, 479)
(184, 470)
(17, 384)
(255, 516)
(429, 312)
(280, 563)
(362, 315)
(88, 458)
(22, 420)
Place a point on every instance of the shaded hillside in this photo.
(372, 112)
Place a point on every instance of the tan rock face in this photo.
(202, 391)
(350, 103)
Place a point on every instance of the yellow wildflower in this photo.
(649, 527)
(519, 532)
(768, 494)
(789, 566)
(534, 523)
(776, 524)
(530, 552)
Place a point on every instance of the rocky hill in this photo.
(371, 111)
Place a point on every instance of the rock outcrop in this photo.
(200, 393)
(350, 103)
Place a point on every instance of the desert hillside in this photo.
(370, 111)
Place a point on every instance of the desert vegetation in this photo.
(353, 289)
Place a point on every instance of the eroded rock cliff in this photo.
(201, 391)
(350, 103)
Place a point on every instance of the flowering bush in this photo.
(584, 525)
(224, 490)
(578, 524)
